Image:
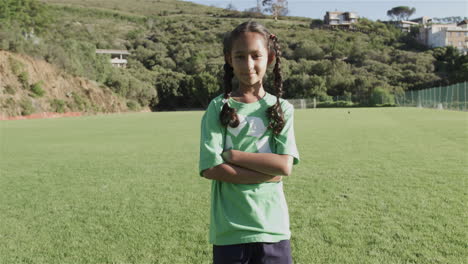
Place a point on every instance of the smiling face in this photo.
(249, 58)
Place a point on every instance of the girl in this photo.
(247, 145)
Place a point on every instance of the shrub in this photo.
(9, 89)
(23, 78)
(308, 50)
(26, 107)
(132, 105)
(336, 104)
(37, 89)
(316, 23)
(9, 102)
(118, 82)
(81, 104)
(381, 96)
(57, 105)
(16, 66)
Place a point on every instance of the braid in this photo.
(228, 114)
(275, 112)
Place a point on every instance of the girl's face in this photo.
(249, 58)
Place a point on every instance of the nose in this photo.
(250, 63)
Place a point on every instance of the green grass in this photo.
(383, 185)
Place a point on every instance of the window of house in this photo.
(460, 44)
(450, 43)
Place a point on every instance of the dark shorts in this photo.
(253, 253)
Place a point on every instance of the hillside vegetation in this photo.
(32, 85)
(177, 57)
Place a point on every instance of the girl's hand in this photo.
(227, 155)
(276, 179)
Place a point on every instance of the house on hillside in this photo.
(406, 25)
(118, 57)
(340, 19)
(424, 20)
(463, 24)
(442, 35)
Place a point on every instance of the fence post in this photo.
(438, 98)
(419, 99)
(449, 99)
(412, 99)
(424, 98)
(446, 97)
(465, 95)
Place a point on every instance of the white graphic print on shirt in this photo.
(256, 128)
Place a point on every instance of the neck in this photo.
(250, 90)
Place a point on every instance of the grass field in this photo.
(382, 185)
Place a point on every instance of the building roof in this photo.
(336, 13)
(423, 19)
(408, 22)
(112, 51)
(457, 29)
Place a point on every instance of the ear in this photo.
(271, 57)
(228, 58)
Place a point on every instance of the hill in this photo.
(30, 86)
(142, 7)
(176, 52)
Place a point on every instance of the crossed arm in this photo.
(249, 168)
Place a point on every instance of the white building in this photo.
(118, 57)
(405, 26)
(422, 20)
(442, 35)
(342, 19)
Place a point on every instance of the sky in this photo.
(376, 9)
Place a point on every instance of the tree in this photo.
(401, 12)
(308, 50)
(256, 9)
(31, 15)
(451, 64)
(276, 7)
(204, 88)
(231, 7)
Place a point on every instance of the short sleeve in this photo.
(211, 139)
(286, 140)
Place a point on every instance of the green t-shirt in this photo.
(246, 213)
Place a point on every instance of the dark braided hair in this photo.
(228, 115)
(275, 112)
